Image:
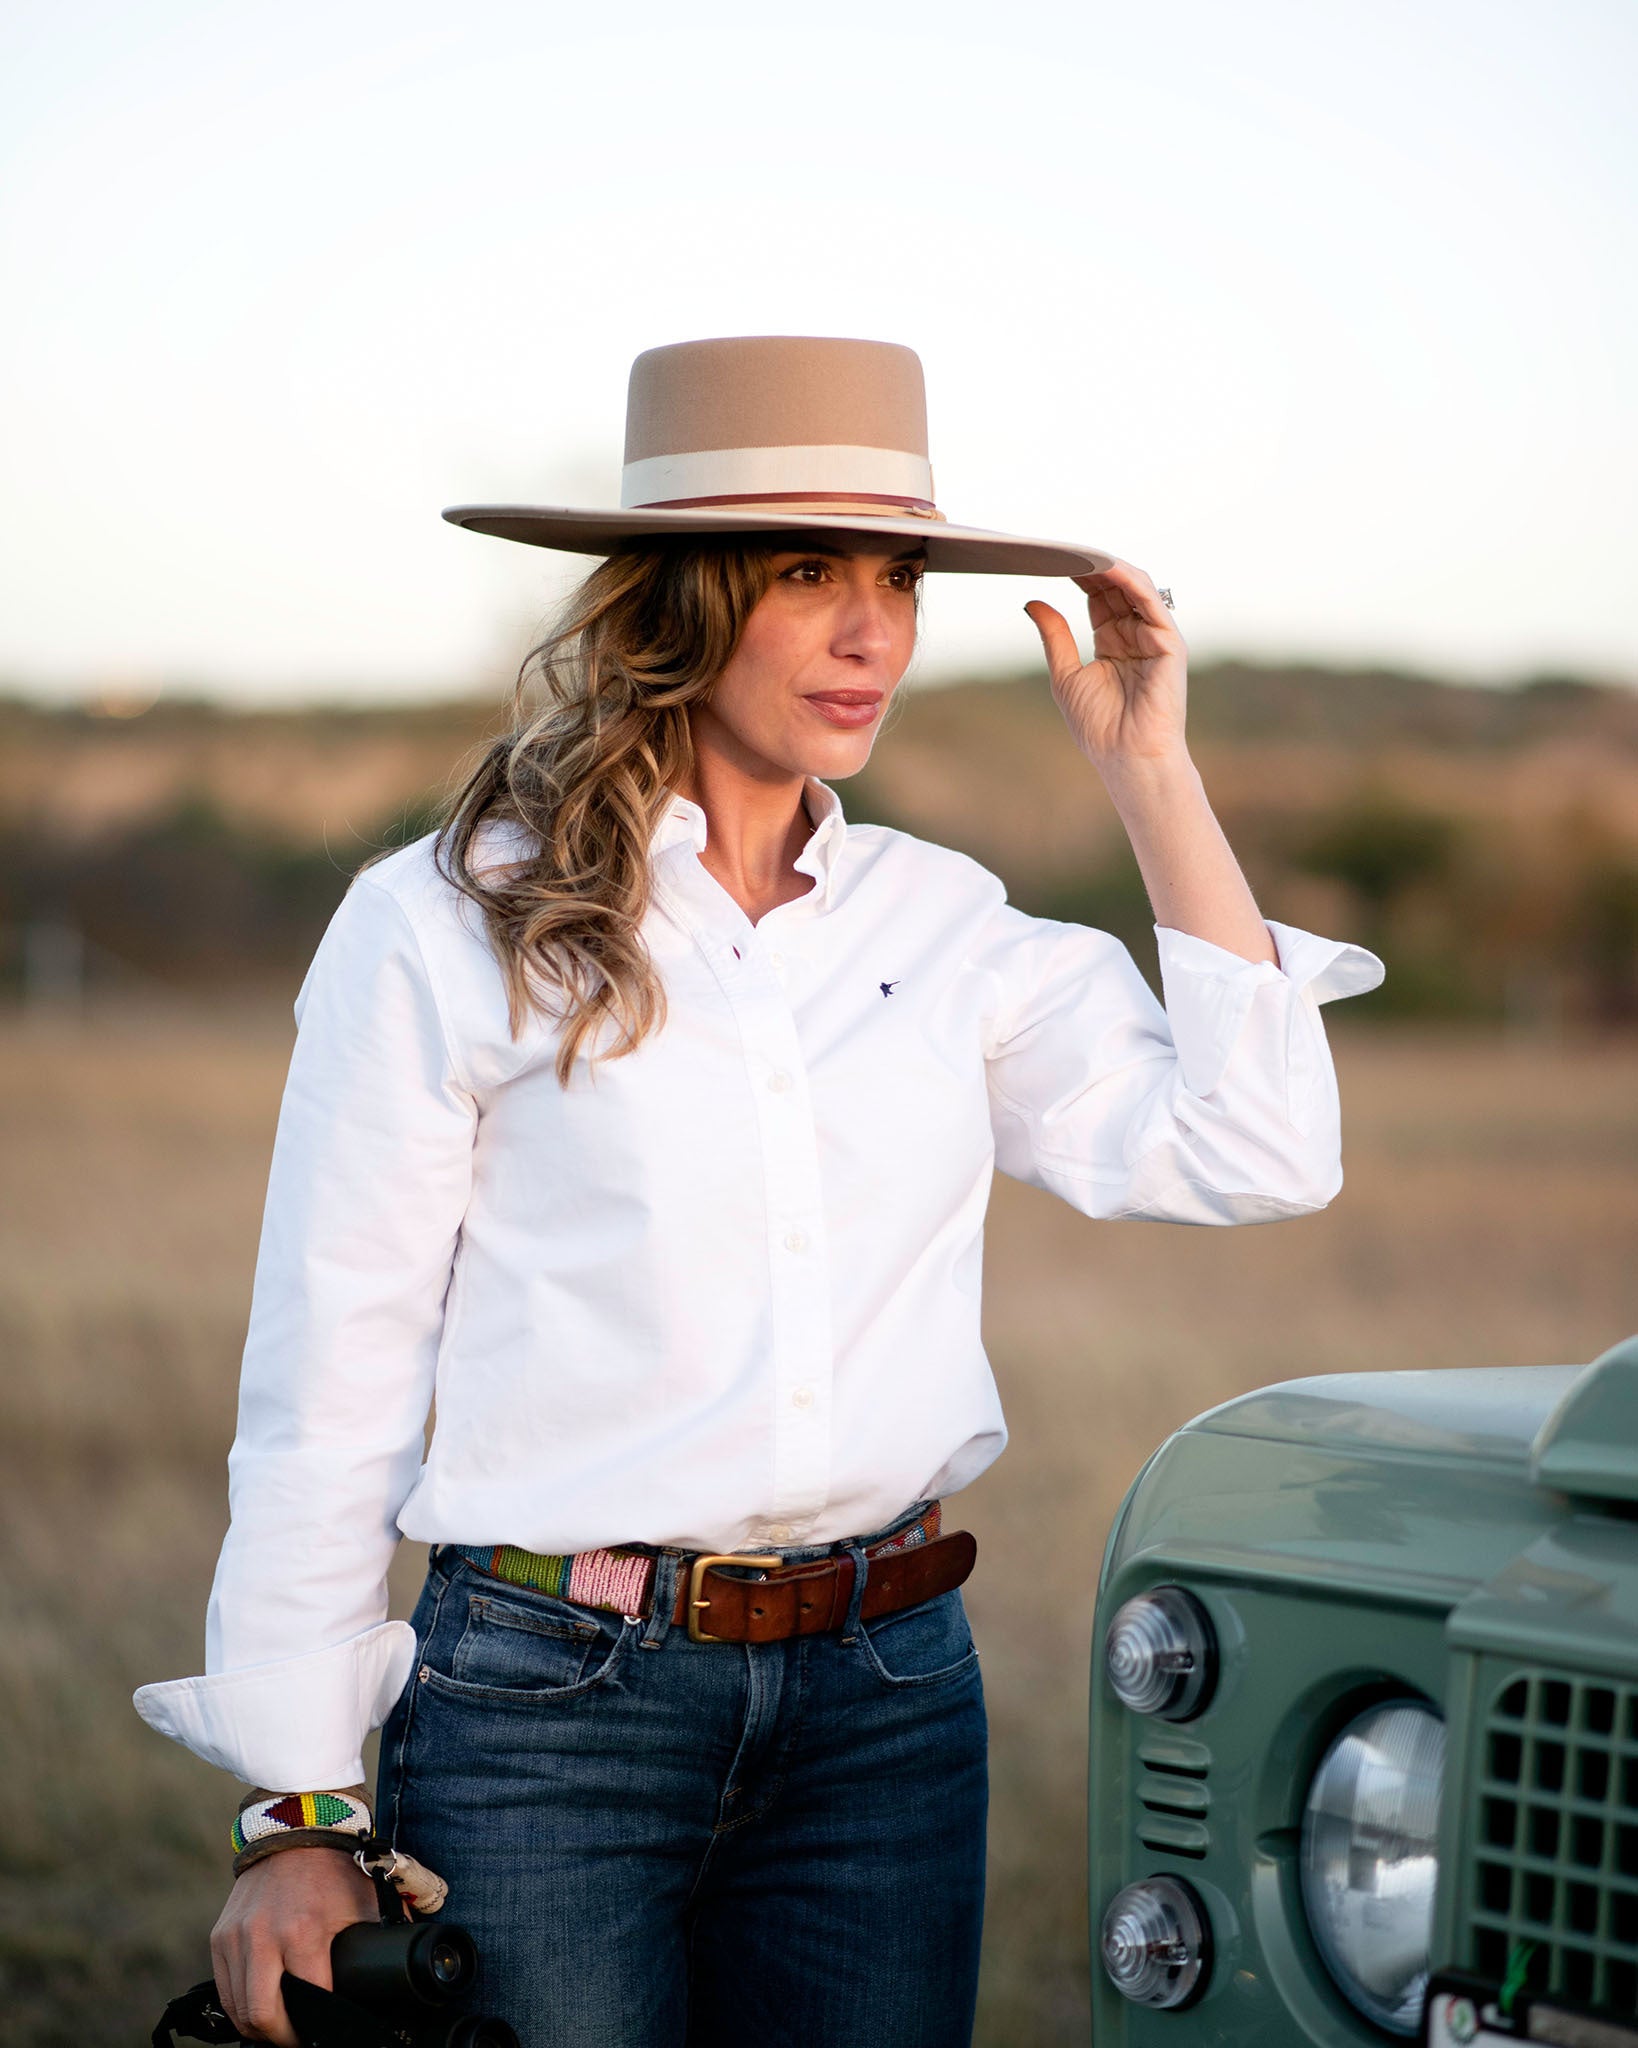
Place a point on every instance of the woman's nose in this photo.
(863, 628)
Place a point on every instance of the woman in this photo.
(648, 1114)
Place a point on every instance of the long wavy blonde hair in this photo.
(598, 742)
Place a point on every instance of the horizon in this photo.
(125, 703)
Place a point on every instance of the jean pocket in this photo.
(921, 1645)
(529, 1649)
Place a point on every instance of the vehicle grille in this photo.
(1173, 1794)
(1555, 1855)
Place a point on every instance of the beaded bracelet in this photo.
(270, 1821)
(297, 1820)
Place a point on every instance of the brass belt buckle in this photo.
(696, 1575)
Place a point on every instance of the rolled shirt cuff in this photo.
(294, 1724)
(1209, 990)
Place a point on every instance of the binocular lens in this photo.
(447, 1963)
(441, 1961)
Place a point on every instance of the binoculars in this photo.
(394, 1983)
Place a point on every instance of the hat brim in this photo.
(967, 548)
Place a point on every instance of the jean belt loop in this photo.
(861, 1570)
(662, 1600)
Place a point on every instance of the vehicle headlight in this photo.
(1160, 1655)
(1370, 1858)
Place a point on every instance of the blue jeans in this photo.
(665, 1844)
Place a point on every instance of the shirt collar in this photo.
(682, 823)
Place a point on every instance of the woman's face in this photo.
(817, 664)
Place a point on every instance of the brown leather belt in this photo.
(720, 1605)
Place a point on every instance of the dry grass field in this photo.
(1489, 1218)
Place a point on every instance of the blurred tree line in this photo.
(1484, 842)
(1470, 925)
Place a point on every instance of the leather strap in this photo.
(809, 1599)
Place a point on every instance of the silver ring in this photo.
(1165, 597)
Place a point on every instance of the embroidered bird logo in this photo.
(887, 987)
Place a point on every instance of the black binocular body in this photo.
(394, 1983)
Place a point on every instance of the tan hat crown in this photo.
(786, 421)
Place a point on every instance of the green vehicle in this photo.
(1365, 1718)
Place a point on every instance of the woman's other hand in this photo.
(282, 1914)
(1126, 705)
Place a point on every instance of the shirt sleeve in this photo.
(1220, 1107)
(370, 1178)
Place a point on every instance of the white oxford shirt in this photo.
(720, 1293)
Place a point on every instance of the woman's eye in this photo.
(905, 576)
(806, 572)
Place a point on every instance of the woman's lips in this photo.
(846, 707)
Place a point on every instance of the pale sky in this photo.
(1324, 314)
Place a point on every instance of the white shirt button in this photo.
(802, 1398)
(776, 959)
(779, 1533)
(778, 1083)
(795, 1241)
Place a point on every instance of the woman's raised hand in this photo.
(1126, 705)
(282, 1914)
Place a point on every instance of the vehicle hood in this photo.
(1573, 1427)
(1490, 1415)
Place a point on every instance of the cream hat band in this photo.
(778, 434)
(764, 474)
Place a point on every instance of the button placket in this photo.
(799, 1262)
(801, 1289)
(799, 1266)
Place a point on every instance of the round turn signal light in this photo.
(1160, 1655)
(1155, 1942)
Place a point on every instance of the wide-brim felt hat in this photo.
(779, 434)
